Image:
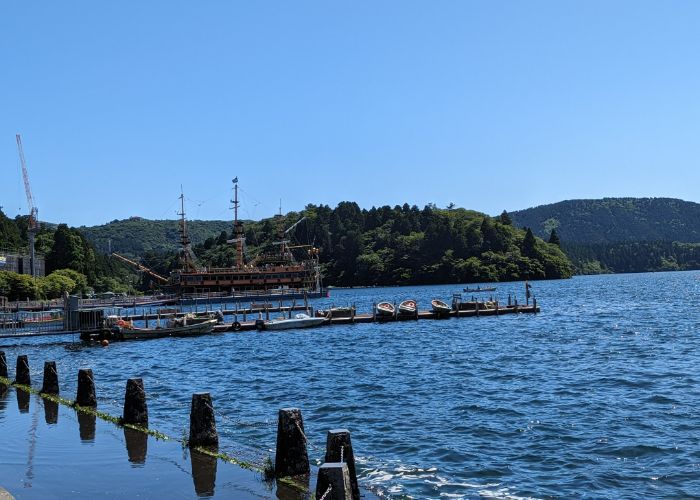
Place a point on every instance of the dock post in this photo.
(22, 371)
(374, 311)
(86, 389)
(3, 365)
(352, 313)
(244, 315)
(267, 313)
(477, 308)
(135, 408)
(496, 308)
(534, 305)
(202, 421)
(515, 301)
(333, 482)
(291, 458)
(509, 302)
(339, 449)
(50, 385)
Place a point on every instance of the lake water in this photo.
(597, 395)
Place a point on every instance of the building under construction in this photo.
(20, 263)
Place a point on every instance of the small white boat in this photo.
(300, 320)
(439, 306)
(385, 309)
(408, 307)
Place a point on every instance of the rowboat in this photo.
(479, 289)
(439, 306)
(385, 309)
(408, 307)
(187, 330)
(300, 320)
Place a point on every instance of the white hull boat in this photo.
(298, 321)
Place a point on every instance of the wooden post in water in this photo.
(291, 458)
(22, 371)
(3, 364)
(135, 408)
(339, 449)
(334, 482)
(534, 304)
(86, 389)
(202, 421)
(50, 385)
(496, 308)
(352, 313)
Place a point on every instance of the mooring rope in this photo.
(327, 492)
(342, 450)
(306, 440)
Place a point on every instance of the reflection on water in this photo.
(3, 397)
(203, 473)
(136, 445)
(287, 492)
(87, 427)
(22, 401)
(50, 411)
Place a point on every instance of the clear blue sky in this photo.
(488, 104)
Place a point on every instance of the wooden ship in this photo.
(270, 275)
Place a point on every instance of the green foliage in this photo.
(398, 246)
(10, 236)
(633, 257)
(612, 220)
(137, 237)
(554, 238)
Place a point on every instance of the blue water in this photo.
(599, 395)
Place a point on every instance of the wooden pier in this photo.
(420, 315)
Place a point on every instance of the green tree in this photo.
(554, 238)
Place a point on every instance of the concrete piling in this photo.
(135, 408)
(339, 449)
(202, 421)
(333, 482)
(86, 389)
(50, 385)
(291, 458)
(3, 364)
(22, 371)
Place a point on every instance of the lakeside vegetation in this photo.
(72, 263)
(401, 245)
(621, 235)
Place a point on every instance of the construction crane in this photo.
(33, 226)
(141, 267)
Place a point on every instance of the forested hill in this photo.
(613, 220)
(399, 246)
(137, 236)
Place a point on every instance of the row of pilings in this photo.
(337, 477)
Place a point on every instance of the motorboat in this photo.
(300, 320)
(478, 289)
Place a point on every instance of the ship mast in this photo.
(188, 260)
(239, 237)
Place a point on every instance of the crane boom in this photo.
(141, 267)
(33, 211)
(33, 224)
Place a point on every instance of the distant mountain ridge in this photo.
(136, 236)
(614, 220)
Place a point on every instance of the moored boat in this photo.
(479, 289)
(439, 306)
(336, 312)
(408, 307)
(385, 309)
(300, 320)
